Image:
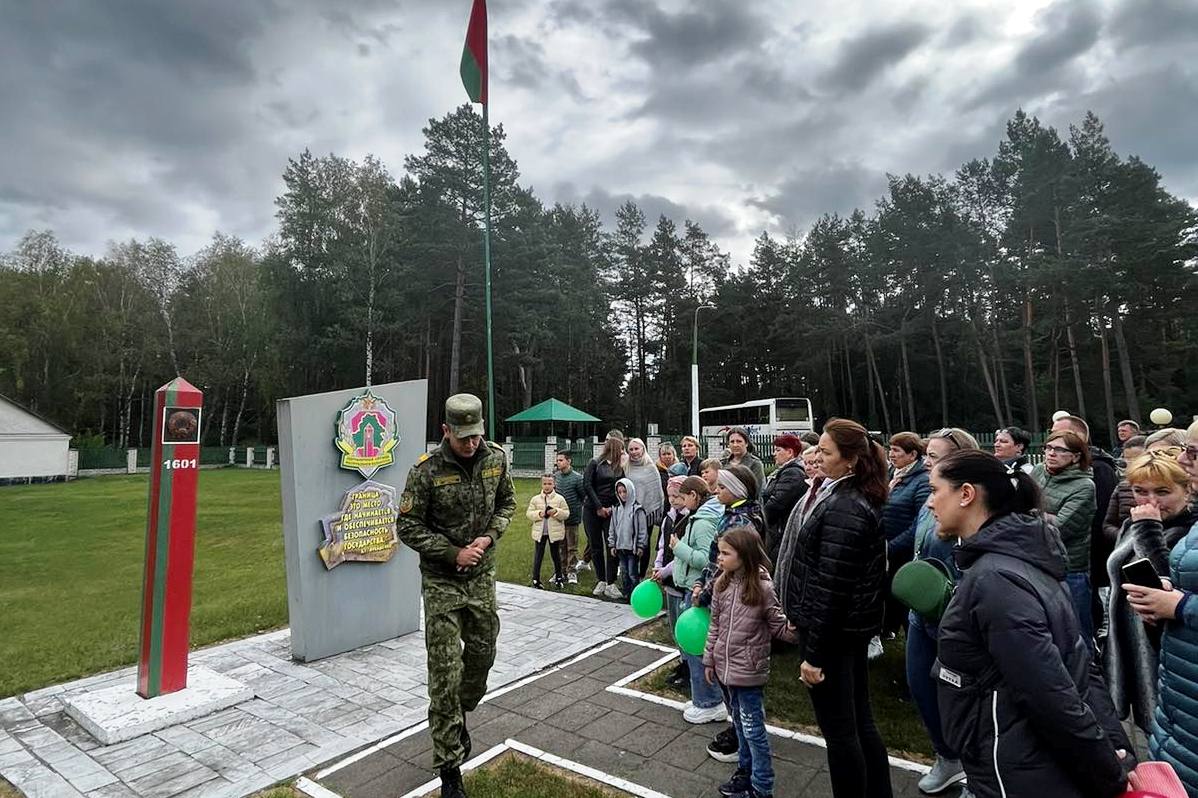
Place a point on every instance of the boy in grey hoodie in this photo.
(628, 535)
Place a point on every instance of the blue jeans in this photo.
(673, 610)
(1079, 590)
(747, 707)
(703, 695)
(921, 654)
(631, 565)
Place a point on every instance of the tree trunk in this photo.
(245, 389)
(1125, 375)
(982, 361)
(1056, 371)
(127, 411)
(1029, 367)
(455, 349)
(833, 405)
(1077, 369)
(873, 365)
(639, 308)
(1001, 371)
(912, 417)
(848, 379)
(943, 376)
(1107, 394)
(871, 402)
(224, 419)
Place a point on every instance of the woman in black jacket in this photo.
(783, 488)
(831, 572)
(599, 482)
(1020, 697)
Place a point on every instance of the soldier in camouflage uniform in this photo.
(457, 502)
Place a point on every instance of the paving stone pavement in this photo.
(571, 714)
(302, 716)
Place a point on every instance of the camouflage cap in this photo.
(464, 415)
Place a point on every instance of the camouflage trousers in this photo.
(461, 625)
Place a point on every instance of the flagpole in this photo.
(487, 263)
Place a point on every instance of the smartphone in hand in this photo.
(1140, 572)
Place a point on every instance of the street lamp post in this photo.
(695, 371)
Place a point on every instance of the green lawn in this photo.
(519, 777)
(73, 556)
(788, 705)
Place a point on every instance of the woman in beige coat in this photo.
(548, 512)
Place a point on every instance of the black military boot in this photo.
(451, 783)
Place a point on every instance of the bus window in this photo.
(793, 411)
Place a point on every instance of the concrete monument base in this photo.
(118, 713)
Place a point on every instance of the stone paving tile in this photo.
(644, 742)
(304, 714)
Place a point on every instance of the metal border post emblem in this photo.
(366, 433)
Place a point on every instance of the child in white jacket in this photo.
(548, 512)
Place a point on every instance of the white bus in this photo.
(759, 417)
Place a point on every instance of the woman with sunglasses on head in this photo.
(1020, 696)
(1011, 445)
(1070, 503)
(924, 541)
(831, 574)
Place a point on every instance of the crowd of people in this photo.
(1028, 647)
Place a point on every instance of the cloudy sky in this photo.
(175, 118)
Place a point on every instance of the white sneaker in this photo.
(613, 592)
(944, 774)
(572, 578)
(718, 713)
(875, 648)
(582, 565)
(687, 705)
(600, 587)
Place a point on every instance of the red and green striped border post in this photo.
(170, 543)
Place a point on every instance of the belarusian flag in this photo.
(474, 54)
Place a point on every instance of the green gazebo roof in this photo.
(552, 410)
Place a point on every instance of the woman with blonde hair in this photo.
(1173, 609)
(1161, 516)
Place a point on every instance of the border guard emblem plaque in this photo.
(366, 434)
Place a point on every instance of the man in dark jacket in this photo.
(1106, 478)
(1020, 697)
(785, 485)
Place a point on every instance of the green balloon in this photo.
(691, 630)
(646, 599)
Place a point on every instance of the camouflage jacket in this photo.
(444, 508)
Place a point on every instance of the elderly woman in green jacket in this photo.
(1070, 500)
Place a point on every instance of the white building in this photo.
(31, 448)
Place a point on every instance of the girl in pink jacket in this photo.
(745, 615)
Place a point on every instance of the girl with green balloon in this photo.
(690, 545)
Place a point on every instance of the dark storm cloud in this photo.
(170, 118)
(714, 220)
(864, 57)
(809, 193)
(522, 62)
(102, 96)
(692, 36)
(1152, 114)
(1151, 23)
(1065, 30)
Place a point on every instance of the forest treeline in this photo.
(1054, 274)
